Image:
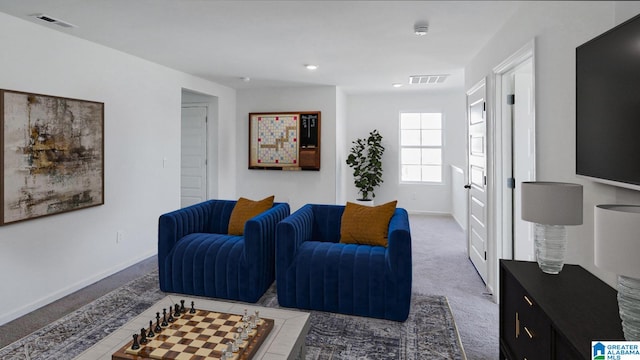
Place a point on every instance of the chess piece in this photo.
(135, 345)
(229, 352)
(176, 310)
(182, 308)
(151, 334)
(158, 328)
(257, 317)
(193, 309)
(143, 336)
(245, 331)
(239, 339)
(245, 317)
(236, 343)
(164, 318)
(170, 318)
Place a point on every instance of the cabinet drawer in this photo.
(509, 326)
(535, 330)
(525, 328)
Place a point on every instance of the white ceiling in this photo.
(361, 46)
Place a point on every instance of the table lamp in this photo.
(617, 249)
(551, 206)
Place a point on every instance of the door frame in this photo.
(500, 216)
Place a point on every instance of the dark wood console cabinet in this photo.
(545, 316)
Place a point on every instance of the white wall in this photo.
(44, 259)
(382, 112)
(341, 146)
(558, 28)
(295, 187)
(459, 196)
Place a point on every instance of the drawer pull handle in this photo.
(528, 332)
(528, 301)
(517, 325)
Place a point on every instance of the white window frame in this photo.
(441, 147)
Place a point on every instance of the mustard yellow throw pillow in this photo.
(244, 210)
(366, 225)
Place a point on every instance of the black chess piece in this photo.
(176, 310)
(170, 318)
(193, 309)
(182, 308)
(143, 336)
(135, 345)
(164, 318)
(151, 334)
(158, 328)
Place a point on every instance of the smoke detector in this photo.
(427, 79)
(421, 28)
(52, 20)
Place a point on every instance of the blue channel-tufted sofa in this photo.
(197, 257)
(315, 271)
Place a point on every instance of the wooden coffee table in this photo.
(285, 341)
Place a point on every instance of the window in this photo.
(421, 147)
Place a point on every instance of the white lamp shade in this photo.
(617, 239)
(552, 203)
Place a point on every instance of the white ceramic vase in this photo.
(364, 202)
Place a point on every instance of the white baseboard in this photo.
(459, 222)
(436, 213)
(5, 318)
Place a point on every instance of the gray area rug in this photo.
(429, 333)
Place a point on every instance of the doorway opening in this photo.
(198, 156)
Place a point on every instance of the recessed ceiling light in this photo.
(246, 79)
(311, 67)
(396, 85)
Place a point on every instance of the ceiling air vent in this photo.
(427, 79)
(52, 20)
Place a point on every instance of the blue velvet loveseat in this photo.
(315, 271)
(196, 256)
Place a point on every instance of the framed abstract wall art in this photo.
(52, 155)
(284, 140)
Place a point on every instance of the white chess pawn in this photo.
(245, 332)
(239, 338)
(229, 353)
(236, 343)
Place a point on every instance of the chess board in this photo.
(200, 336)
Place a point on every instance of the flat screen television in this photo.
(608, 106)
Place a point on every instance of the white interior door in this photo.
(477, 178)
(193, 184)
(523, 157)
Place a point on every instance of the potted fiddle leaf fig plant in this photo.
(365, 159)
